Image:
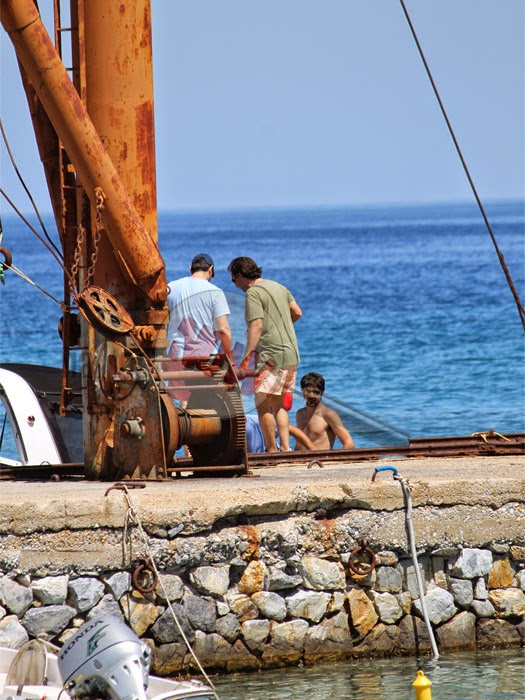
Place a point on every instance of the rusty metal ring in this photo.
(362, 569)
(8, 258)
(142, 573)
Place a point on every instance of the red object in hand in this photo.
(288, 400)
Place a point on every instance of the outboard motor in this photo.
(105, 659)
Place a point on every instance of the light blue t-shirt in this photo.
(194, 304)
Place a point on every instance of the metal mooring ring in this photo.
(8, 258)
(361, 568)
(144, 578)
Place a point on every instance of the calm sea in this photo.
(406, 311)
(485, 675)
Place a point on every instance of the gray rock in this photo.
(222, 608)
(202, 613)
(3, 612)
(49, 620)
(521, 629)
(107, 606)
(279, 580)
(270, 605)
(228, 627)
(51, 590)
(286, 643)
(255, 633)
(388, 580)
(212, 650)
(170, 587)
(16, 598)
(337, 602)
(119, 583)
(310, 605)
(440, 606)
(328, 640)
(521, 579)
(410, 579)
(168, 659)
(495, 634)
(211, 580)
(462, 591)
(413, 635)
(483, 608)
(84, 593)
(481, 592)
(383, 640)
(386, 558)
(240, 659)
(446, 552)
(405, 601)
(437, 566)
(387, 606)
(165, 630)
(12, 634)
(459, 633)
(499, 547)
(471, 563)
(321, 574)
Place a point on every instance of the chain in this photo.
(100, 198)
(99, 206)
(76, 258)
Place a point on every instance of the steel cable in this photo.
(521, 309)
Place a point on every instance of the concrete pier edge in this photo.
(257, 568)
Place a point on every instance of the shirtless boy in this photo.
(320, 423)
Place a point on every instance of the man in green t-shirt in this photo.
(270, 312)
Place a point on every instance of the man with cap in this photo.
(199, 313)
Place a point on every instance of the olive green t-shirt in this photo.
(270, 301)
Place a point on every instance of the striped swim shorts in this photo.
(275, 381)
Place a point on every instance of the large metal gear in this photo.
(225, 402)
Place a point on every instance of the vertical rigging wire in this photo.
(22, 181)
(521, 309)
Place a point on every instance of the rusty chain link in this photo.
(81, 238)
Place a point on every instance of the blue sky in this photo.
(305, 102)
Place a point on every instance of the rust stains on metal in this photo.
(453, 446)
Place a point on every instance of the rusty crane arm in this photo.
(133, 246)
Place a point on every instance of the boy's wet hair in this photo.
(313, 379)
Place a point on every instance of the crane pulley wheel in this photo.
(104, 312)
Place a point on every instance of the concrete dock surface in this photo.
(200, 503)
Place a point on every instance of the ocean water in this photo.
(485, 675)
(406, 311)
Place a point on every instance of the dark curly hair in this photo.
(313, 379)
(246, 267)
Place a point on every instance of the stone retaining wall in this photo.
(268, 592)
